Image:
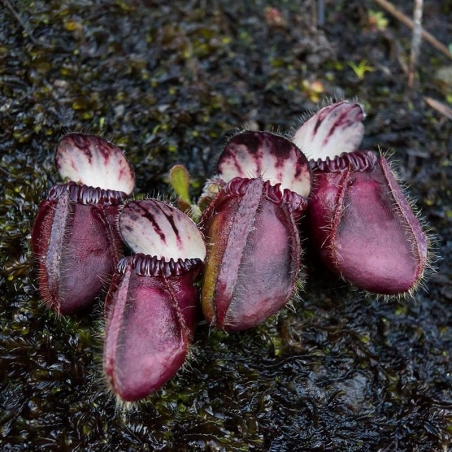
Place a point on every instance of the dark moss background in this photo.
(168, 81)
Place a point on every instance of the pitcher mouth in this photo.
(84, 194)
(146, 265)
(356, 161)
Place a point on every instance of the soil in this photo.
(340, 370)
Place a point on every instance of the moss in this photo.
(168, 81)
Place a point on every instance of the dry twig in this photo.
(409, 23)
(439, 107)
(415, 40)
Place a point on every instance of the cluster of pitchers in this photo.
(240, 262)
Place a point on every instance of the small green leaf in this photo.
(180, 181)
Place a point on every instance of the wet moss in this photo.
(340, 371)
